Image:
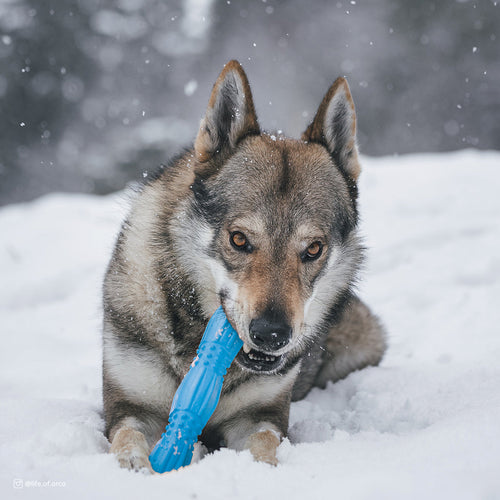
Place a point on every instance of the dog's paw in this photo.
(263, 445)
(131, 450)
(136, 463)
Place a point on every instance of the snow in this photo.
(190, 87)
(424, 424)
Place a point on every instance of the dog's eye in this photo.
(239, 241)
(313, 251)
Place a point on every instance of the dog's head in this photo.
(279, 218)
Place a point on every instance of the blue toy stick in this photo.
(197, 396)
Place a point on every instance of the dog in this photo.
(267, 227)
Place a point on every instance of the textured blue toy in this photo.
(197, 395)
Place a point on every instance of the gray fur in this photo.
(173, 265)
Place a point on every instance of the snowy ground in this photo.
(423, 425)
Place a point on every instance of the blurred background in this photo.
(95, 93)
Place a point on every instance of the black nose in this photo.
(270, 335)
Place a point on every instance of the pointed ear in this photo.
(230, 114)
(334, 126)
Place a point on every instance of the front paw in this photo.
(131, 449)
(263, 445)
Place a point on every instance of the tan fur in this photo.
(131, 449)
(263, 446)
(256, 288)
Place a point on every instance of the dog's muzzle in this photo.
(268, 337)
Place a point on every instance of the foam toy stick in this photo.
(198, 394)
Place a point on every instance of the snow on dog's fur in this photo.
(265, 226)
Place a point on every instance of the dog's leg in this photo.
(359, 340)
(137, 394)
(132, 431)
(262, 437)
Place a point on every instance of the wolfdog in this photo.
(265, 226)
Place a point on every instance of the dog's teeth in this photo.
(246, 348)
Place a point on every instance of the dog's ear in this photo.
(334, 126)
(230, 115)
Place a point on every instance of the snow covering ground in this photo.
(425, 424)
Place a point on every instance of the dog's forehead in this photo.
(281, 166)
(266, 170)
(268, 154)
(282, 185)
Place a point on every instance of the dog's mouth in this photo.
(258, 361)
(252, 359)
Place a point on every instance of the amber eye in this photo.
(239, 241)
(313, 251)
